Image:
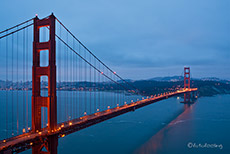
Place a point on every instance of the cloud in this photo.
(143, 34)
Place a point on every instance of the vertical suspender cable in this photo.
(77, 87)
(72, 99)
(75, 82)
(80, 73)
(117, 93)
(71, 84)
(7, 85)
(24, 79)
(76, 94)
(59, 77)
(17, 86)
(73, 89)
(103, 102)
(112, 90)
(12, 78)
(67, 74)
(95, 86)
(99, 88)
(85, 69)
(90, 87)
(61, 92)
(66, 78)
(123, 95)
(27, 82)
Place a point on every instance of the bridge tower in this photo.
(39, 101)
(186, 77)
(187, 83)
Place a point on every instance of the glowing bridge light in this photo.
(52, 114)
(4, 141)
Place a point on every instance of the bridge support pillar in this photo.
(38, 101)
(187, 95)
(48, 145)
(186, 77)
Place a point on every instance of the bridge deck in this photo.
(27, 140)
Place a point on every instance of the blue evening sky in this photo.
(142, 39)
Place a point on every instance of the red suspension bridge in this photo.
(68, 89)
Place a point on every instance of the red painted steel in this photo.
(38, 101)
(23, 141)
(186, 77)
(39, 138)
(187, 83)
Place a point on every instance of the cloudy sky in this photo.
(142, 39)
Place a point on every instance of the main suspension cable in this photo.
(96, 56)
(17, 25)
(90, 63)
(16, 30)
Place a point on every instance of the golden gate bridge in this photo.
(70, 87)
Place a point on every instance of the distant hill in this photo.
(181, 78)
(127, 80)
(214, 79)
(205, 87)
(167, 78)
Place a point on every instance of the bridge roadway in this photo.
(25, 141)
